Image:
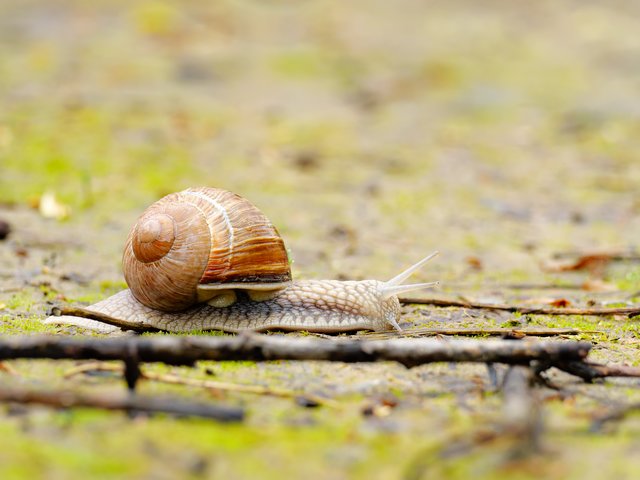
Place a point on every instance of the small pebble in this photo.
(5, 229)
(306, 402)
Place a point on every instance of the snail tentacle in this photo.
(402, 276)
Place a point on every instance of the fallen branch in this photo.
(598, 311)
(503, 332)
(129, 403)
(614, 255)
(208, 384)
(594, 263)
(589, 371)
(179, 350)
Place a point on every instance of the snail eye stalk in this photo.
(395, 287)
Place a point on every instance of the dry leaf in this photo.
(376, 411)
(380, 407)
(7, 369)
(555, 302)
(474, 262)
(594, 263)
(51, 207)
(560, 303)
(513, 335)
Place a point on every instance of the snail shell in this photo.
(194, 245)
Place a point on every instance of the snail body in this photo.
(313, 305)
(207, 259)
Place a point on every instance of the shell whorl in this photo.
(153, 237)
(201, 236)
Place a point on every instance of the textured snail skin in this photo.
(311, 305)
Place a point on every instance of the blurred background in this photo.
(371, 133)
(363, 129)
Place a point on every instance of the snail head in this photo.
(390, 290)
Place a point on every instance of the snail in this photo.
(208, 259)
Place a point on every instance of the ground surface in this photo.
(371, 133)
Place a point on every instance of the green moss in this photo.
(17, 325)
(314, 64)
(631, 281)
(300, 64)
(22, 300)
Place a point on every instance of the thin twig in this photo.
(94, 367)
(598, 311)
(589, 371)
(614, 255)
(504, 332)
(100, 317)
(71, 399)
(208, 384)
(516, 286)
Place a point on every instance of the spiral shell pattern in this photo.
(200, 236)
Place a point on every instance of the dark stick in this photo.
(508, 332)
(613, 255)
(206, 384)
(127, 402)
(188, 349)
(589, 371)
(629, 311)
(132, 371)
(614, 370)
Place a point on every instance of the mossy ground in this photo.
(371, 133)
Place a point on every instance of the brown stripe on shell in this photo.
(257, 253)
(217, 238)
